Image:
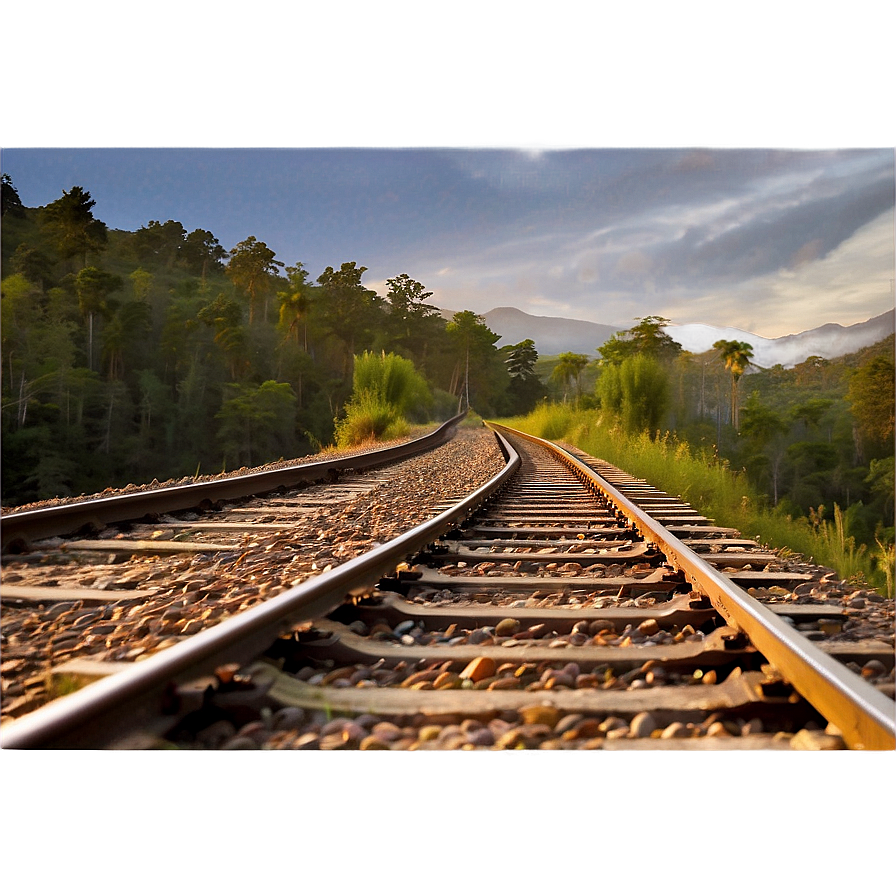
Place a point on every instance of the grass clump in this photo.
(386, 388)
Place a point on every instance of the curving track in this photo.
(552, 608)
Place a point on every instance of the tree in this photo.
(160, 243)
(736, 356)
(32, 263)
(93, 287)
(568, 372)
(525, 386)
(252, 269)
(408, 306)
(142, 283)
(70, 224)
(810, 412)
(201, 252)
(294, 304)
(413, 325)
(10, 203)
(125, 329)
(763, 430)
(871, 395)
(225, 317)
(647, 338)
(350, 311)
(21, 316)
(257, 423)
(637, 390)
(473, 340)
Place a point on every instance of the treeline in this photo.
(812, 438)
(129, 356)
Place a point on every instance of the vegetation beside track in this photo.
(708, 482)
(159, 354)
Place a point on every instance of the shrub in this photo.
(386, 388)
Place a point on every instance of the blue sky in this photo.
(572, 223)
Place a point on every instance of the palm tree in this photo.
(294, 305)
(568, 370)
(736, 356)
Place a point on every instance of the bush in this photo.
(391, 380)
(366, 419)
(386, 388)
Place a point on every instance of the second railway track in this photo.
(557, 614)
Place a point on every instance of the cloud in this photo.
(810, 251)
(633, 265)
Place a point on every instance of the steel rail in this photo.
(865, 716)
(103, 711)
(67, 519)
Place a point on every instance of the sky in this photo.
(487, 154)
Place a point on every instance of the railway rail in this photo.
(530, 613)
(561, 604)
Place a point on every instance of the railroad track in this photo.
(551, 608)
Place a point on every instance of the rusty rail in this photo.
(864, 715)
(103, 711)
(67, 519)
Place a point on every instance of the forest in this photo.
(157, 354)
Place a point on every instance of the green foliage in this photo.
(872, 394)
(70, 225)
(568, 372)
(252, 268)
(647, 338)
(636, 390)
(708, 482)
(478, 371)
(386, 389)
(256, 423)
(736, 356)
(10, 203)
(391, 380)
(525, 388)
(368, 419)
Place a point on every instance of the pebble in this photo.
(717, 729)
(808, 739)
(216, 734)
(753, 726)
(480, 668)
(540, 714)
(873, 669)
(612, 723)
(507, 628)
(676, 729)
(643, 725)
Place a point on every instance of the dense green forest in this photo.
(156, 354)
(815, 441)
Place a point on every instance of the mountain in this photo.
(553, 335)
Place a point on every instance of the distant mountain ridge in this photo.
(553, 335)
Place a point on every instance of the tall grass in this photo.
(386, 387)
(704, 480)
(391, 380)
